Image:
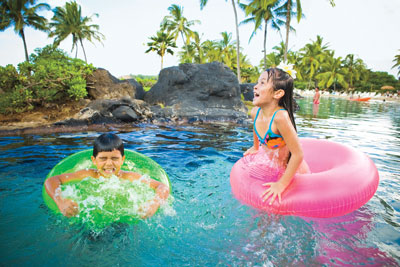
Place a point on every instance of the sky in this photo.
(368, 29)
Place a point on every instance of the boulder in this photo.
(111, 111)
(247, 91)
(139, 88)
(197, 92)
(102, 85)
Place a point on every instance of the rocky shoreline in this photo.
(184, 94)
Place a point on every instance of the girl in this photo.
(276, 145)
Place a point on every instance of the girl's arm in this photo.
(52, 186)
(286, 129)
(256, 142)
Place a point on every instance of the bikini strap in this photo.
(255, 129)
(272, 119)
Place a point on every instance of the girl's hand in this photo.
(68, 207)
(275, 189)
(251, 150)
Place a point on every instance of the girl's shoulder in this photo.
(253, 112)
(281, 116)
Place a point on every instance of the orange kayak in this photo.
(361, 99)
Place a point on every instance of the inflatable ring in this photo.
(134, 162)
(342, 179)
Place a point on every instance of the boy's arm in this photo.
(52, 186)
(161, 189)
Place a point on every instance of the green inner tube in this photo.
(134, 162)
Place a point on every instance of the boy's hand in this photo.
(147, 211)
(162, 191)
(68, 207)
(251, 150)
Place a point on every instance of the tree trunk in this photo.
(265, 46)
(289, 7)
(21, 32)
(184, 43)
(237, 43)
(162, 62)
(84, 53)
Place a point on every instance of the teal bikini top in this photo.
(271, 139)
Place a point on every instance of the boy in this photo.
(108, 157)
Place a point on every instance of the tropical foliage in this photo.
(21, 14)
(203, 3)
(49, 76)
(263, 12)
(396, 61)
(68, 20)
(161, 43)
(176, 24)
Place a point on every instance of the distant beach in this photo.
(373, 95)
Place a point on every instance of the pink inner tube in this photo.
(342, 179)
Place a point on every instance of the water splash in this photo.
(105, 201)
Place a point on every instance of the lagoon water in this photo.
(209, 226)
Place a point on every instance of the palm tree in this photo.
(176, 24)
(288, 9)
(203, 3)
(68, 21)
(226, 50)
(332, 72)
(396, 61)
(263, 12)
(356, 69)
(313, 55)
(272, 60)
(22, 13)
(162, 44)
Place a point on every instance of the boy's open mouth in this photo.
(109, 170)
(256, 94)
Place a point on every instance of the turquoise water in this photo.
(209, 226)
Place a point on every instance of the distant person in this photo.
(108, 157)
(317, 95)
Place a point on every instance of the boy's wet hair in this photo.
(282, 80)
(106, 143)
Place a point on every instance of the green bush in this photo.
(50, 77)
(146, 82)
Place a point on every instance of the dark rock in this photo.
(111, 111)
(247, 90)
(102, 85)
(139, 89)
(125, 114)
(198, 92)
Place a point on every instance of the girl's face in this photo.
(263, 90)
(108, 163)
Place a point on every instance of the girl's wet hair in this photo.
(106, 143)
(282, 80)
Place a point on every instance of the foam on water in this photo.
(104, 201)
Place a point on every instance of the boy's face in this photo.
(108, 163)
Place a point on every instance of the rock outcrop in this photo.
(197, 92)
(102, 85)
(111, 111)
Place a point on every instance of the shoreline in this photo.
(310, 93)
(40, 122)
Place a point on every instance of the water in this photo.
(209, 226)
